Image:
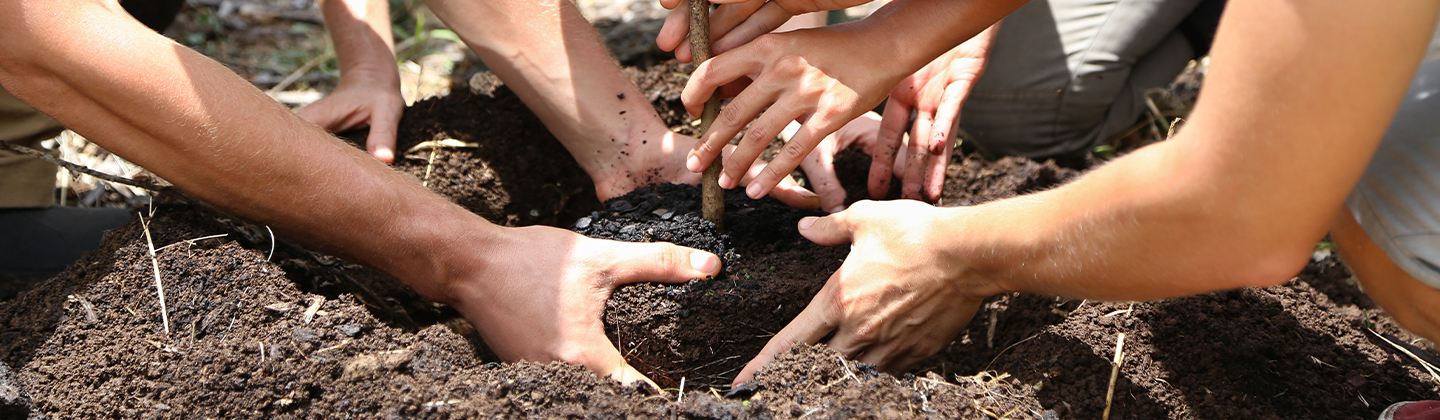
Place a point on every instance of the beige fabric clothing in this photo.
(25, 181)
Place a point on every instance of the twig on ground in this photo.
(191, 241)
(681, 399)
(847, 369)
(1114, 374)
(990, 329)
(155, 263)
(77, 168)
(284, 83)
(314, 307)
(1428, 367)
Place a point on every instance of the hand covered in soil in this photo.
(735, 22)
(935, 94)
(358, 103)
(811, 76)
(894, 301)
(819, 166)
(542, 291)
(665, 160)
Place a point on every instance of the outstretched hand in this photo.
(935, 94)
(543, 298)
(897, 298)
(359, 105)
(812, 76)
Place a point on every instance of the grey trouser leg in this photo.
(1067, 74)
(1397, 201)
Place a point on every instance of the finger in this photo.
(659, 262)
(608, 362)
(830, 230)
(761, 132)
(383, 129)
(674, 30)
(813, 130)
(627, 375)
(323, 114)
(916, 155)
(934, 181)
(733, 117)
(769, 17)
(727, 17)
(714, 73)
(819, 167)
(880, 355)
(892, 128)
(794, 195)
(810, 326)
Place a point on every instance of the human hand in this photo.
(542, 294)
(896, 299)
(935, 94)
(361, 102)
(819, 166)
(811, 76)
(641, 163)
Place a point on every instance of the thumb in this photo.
(807, 328)
(829, 230)
(661, 262)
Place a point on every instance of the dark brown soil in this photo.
(91, 343)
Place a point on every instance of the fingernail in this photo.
(753, 190)
(837, 209)
(693, 164)
(807, 222)
(725, 181)
(706, 263)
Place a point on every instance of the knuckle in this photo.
(792, 151)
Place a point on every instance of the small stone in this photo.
(349, 329)
(629, 229)
(584, 222)
(622, 206)
(659, 212)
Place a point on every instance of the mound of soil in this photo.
(292, 333)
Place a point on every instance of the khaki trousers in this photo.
(25, 181)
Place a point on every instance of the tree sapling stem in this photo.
(712, 197)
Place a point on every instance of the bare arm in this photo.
(369, 91)
(534, 293)
(1292, 110)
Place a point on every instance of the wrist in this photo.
(981, 247)
(435, 251)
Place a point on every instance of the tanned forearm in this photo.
(554, 60)
(193, 122)
(1282, 132)
(360, 30)
(915, 32)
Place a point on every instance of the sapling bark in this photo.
(712, 197)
